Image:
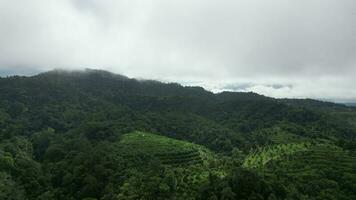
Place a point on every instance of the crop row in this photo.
(262, 156)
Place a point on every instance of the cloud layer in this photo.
(305, 47)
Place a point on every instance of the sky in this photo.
(279, 48)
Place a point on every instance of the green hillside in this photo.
(329, 172)
(169, 151)
(97, 135)
(260, 157)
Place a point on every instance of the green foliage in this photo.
(9, 189)
(41, 141)
(322, 171)
(89, 135)
(168, 151)
(260, 157)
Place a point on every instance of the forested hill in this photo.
(62, 138)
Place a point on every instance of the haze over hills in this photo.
(216, 87)
(74, 135)
(294, 49)
(351, 104)
(187, 100)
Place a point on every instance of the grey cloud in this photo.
(247, 86)
(271, 44)
(237, 86)
(279, 86)
(21, 71)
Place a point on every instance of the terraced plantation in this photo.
(317, 157)
(323, 167)
(261, 156)
(168, 151)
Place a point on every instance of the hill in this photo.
(168, 151)
(323, 167)
(351, 104)
(95, 134)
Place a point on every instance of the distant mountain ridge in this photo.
(350, 104)
(96, 73)
(91, 76)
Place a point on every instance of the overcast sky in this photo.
(280, 48)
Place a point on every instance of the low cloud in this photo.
(280, 47)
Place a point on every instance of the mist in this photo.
(280, 48)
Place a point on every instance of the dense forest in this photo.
(96, 135)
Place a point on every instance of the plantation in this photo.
(188, 163)
(323, 167)
(261, 156)
(318, 157)
(168, 151)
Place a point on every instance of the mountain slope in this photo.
(62, 136)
